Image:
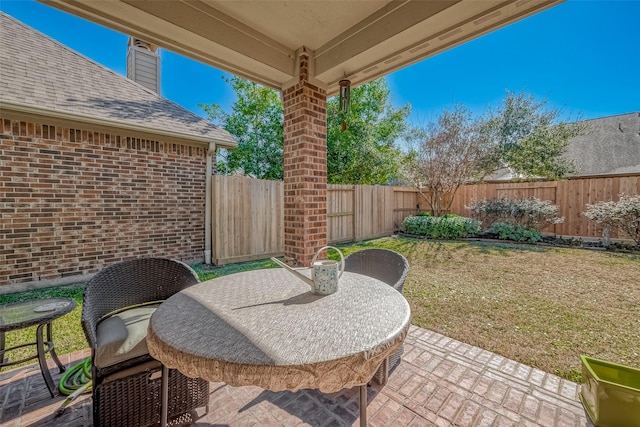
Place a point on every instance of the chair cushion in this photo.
(123, 336)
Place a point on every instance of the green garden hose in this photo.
(75, 381)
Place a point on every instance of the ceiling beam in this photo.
(428, 38)
(388, 22)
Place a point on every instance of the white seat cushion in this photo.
(123, 336)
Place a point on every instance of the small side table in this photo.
(39, 312)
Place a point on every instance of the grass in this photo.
(541, 306)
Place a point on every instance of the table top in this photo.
(21, 314)
(265, 328)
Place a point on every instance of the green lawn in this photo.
(541, 306)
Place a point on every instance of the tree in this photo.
(529, 139)
(365, 152)
(445, 155)
(256, 121)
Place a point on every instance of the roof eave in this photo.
(61, 115)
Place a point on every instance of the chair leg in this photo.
(385, 372)
(164, 396)
(363, 405)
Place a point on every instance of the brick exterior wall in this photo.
(73, 201)
(305, 169)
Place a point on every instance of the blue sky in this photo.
(582, 56)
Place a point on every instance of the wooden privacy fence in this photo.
(248, 214)
(570, 195)
(247, 219)
(357, 212)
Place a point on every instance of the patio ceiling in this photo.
(260, 39)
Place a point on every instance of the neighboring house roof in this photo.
(41, 76)
(611, 146)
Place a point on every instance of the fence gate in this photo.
(247, 219)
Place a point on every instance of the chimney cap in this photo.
(134, 41)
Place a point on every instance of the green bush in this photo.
(424, 214)
(531, 213)
(519, 233)
(441, 227)
(623, 215)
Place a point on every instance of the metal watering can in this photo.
(325, 273)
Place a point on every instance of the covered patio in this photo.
(440, 382)
(304, 49)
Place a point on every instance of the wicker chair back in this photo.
(132, 282)
(383, 264)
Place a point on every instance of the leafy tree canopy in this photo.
(523, 134)
(529, 138)
(256, 121)
(364, 153)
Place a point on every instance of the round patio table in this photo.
(265, 328)
(39, 312)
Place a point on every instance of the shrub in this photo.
(424, 214)
(441, 227)
(518, 233)
(622, 215)
(531, 213)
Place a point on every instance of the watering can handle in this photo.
(334, 248)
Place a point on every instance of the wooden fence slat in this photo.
(340, 213)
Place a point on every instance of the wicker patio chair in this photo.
(391, 268)
(118, 302)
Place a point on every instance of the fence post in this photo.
(606, 234)
(355, 213)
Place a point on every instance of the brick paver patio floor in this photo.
(440, 382)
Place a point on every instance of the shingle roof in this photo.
(39, 72)
(611, 146)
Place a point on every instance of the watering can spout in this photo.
(301, 276)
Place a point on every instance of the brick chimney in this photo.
(143, 64)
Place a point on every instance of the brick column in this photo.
(305, 168)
